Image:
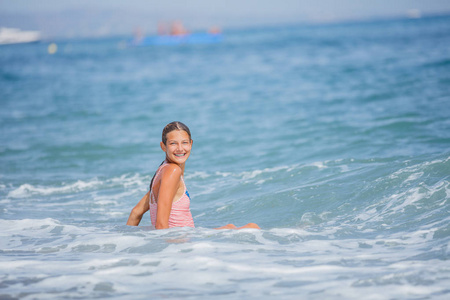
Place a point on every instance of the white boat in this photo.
(16, 36)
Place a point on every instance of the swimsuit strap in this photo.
(156, 173)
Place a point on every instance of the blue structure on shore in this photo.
(193, 38)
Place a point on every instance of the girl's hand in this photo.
(139, 210)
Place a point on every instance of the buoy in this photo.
(52, 48)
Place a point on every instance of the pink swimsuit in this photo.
(180, 214)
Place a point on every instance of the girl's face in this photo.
(178, 146)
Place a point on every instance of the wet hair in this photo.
(176, 125)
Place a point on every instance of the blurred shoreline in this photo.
(46, 37)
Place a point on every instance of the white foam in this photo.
(25, 224)
(414, 176)
(199, 215)
(319, 165)
(198, 174)
(129, 180)
(27, 190)
(397, 202)
(416, 170)
(243, 263)
(222, 208)
(126, 181)
(224, 174)
(251, 174)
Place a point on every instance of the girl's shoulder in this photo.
(170, 168)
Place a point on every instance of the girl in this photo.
(168, 199)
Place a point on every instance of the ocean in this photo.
(334, 139)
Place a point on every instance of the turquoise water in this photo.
(335, 139)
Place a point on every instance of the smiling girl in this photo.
(168, 199)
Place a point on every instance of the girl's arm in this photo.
(139, 210)
(170, 181)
